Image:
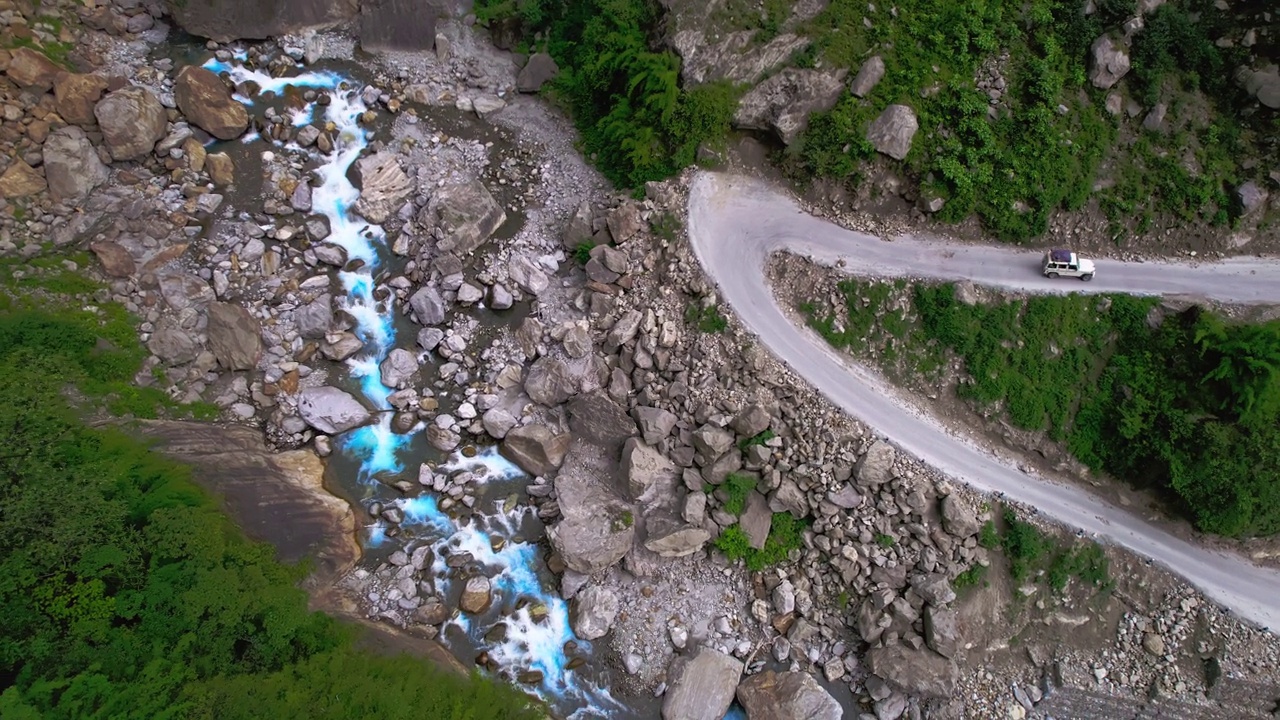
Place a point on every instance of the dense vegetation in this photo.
(1013, 163)
(636, 119)
(1035, 556)
(1184, 402)
(1041, 147)
(127, 594)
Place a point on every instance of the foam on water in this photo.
(529, 644)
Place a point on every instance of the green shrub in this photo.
(785, 534)
(885, 541)
(737, 486)
(706, 318)
(127, 593)
(759, 438)
(582, 253)
(969, 578)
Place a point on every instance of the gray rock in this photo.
(526, 273)
(443, 438)
(594, 610)
(71, 165)
(540, 69)
(655, 423)
(923, 672)
(316, 317)
(935, 589)
(235, 336)
(672, 539)
(384, 186)
(183, 290)
(330, 410)
(711, 442)
(782, 103)
(598, 529)
(132, 121)
(625, 222)
(623, 331)
(579, 229)
(752, 421)
(173, 344)
(695, 508)
(1154, 121)
(893, 130)
(647, 470)
(876, 467)
(1262, 84)
(703, 687)
(465, 214)
(300, 198)
(550, 382)
(227, 20)
(1252, 196)
(428, 306)
(535, 448)
(869, 75)
(398, 368)
(846, 497)
(756, 520)
(891, 707)
(940, 630)
(400, 25)
(733, 56)
(789, 498)
(340, 346)
(959, 517)
(787, 696)
(596, 418)
(1109, 61)
(469, 294)
(500, 297)
(577, 340)
(497, 422)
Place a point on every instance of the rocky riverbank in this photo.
(488, 290)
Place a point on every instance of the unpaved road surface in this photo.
(736, 223)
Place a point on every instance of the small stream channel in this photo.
(524, 635)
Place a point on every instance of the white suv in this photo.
(1064, 263)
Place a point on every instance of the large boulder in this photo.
(315, 318)
(1262, 84)
(923, 672)
(876, 467)
(959, 517)
(535, 448)
(753, 420)
(893, 130)
(384, 186)
(173, 343)
(227, 20)
(594, 610)
(465, 214)
(648, 471)
(540, 69)
(733, 56)
(786, 696)
(940, 630)
(398, 368)
(703, 688)
(76, 95)
(428, 305)
(711, 442)
(402, 25)
(597, 530)
(132, 121)
(207, 103)
(30, 68)
(71, 165)
(782, 104)
(1109, 61)
(235, 336)
(672, 538)
(596, 418)
(869, 75)
(655, 423)
(550, 381)
(331, 410)
(21, 180)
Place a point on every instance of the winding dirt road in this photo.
(736, 223)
